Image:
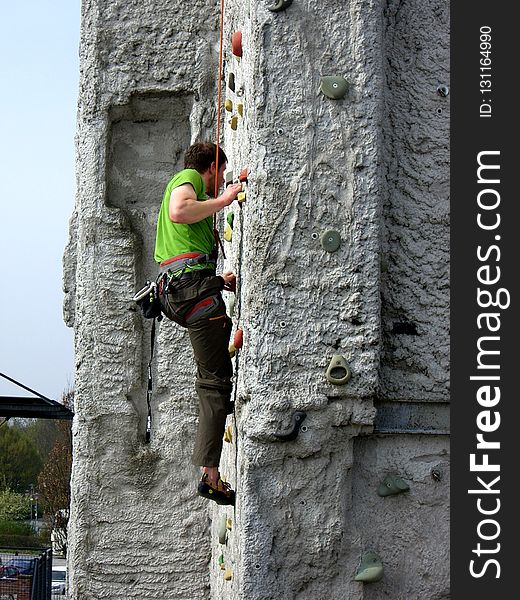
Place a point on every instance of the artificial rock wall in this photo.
(371, 166)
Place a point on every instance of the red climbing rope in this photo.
(220, 60)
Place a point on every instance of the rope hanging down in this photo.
(219, 88)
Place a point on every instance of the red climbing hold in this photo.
(244, 173)
(238, 339)
(236, 43)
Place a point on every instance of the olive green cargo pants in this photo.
(209, 336)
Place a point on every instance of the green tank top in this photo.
(173, 239)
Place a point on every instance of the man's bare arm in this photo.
(185, 208)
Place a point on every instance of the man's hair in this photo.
(199, 156)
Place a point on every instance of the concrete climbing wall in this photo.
(371, 167)
(147, 89)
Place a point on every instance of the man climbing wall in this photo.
(190, 292)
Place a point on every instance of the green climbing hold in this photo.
(391, 485)
(338, 371)
(221, 559)
(330, 240)
(333, 86)
(231, 82)
(370, 569)
(222, 530)
(230, 217)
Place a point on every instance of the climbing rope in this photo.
(219, 88)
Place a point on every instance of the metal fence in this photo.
(25, 574)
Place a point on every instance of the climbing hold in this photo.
(232, 350)
(228, 105)
(370, 569)
(228, 232)
(230, 217)
(236, 44)
(231, 82)
(228, 434)
(391, 485)
(297, 420)
(241, 196)
(229, 524)
(238, 338)
(240, 109)
(234, 123)
(244, 174)
(338, 371)
(228, 575)
(221, 561)
(443, 91)
(330, 240)
(280, 5)
(222, 530)
(333, 86)
(436, 474)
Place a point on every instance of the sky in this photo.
(39, 75)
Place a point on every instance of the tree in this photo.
(13, 506)
(54, 480)
(20, 462)
(43, 433)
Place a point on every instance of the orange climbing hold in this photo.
(236, 44)
(238, 339)
(244, 174)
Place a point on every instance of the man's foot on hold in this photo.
(220, 492)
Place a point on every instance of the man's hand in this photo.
(227, 197)
(230, 281)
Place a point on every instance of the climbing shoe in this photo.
(220, 492)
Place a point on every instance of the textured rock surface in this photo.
(372, 166)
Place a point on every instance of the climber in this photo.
(190, 293)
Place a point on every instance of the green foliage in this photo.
(20, 462)
(13, 506)
(15, 528)
(17, 535)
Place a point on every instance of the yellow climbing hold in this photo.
(228, 434)
(229, 524)
(241, 196)
(240, 109)
(228, 105)
(228, 575)
(228, 233)
(232, 350)
(234, 123)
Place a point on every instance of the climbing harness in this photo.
(178, 265)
